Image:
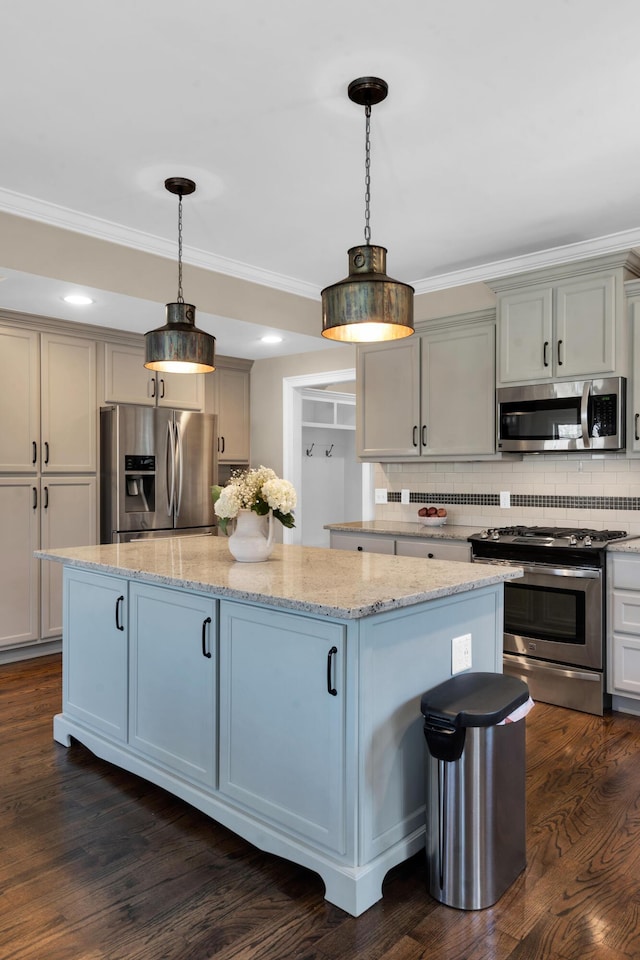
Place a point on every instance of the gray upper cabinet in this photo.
(431, 395)
(127, 380)
(563, 323)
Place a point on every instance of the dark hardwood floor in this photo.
(96, 864)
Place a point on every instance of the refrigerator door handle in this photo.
(171, 468)
(178, 435)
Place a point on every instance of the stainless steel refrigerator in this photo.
(157, 468)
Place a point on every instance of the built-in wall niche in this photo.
(320, 409)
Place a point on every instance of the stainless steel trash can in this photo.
(476, 834)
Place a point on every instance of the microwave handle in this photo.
(584, 413)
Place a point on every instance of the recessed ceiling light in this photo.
(271, 338)
(78, 299)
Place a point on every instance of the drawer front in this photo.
(366, 544)
(433, 549)
(626, 612)
(626, 665)
(626, 572)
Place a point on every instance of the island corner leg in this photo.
(61, 730)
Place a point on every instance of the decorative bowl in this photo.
(432, 521)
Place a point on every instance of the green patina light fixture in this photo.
(178, 346)
(367, 306)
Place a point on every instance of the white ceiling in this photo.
(510, 128)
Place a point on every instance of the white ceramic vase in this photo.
(249, 542)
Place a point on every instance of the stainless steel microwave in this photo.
(579, 415)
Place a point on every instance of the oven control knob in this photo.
(484, 535)
(588, 541)
(495, 535)
(573, 540)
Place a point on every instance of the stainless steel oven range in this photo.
(554, 616)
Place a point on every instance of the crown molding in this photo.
(553, 256)
(54, 215)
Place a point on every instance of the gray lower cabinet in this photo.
(428, 548)
(624, 624)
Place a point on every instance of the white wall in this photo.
(266, 397)
(331, 485)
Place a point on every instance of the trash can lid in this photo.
(474, 699)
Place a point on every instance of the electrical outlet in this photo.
(404, 496)
(461, 653)
(381, 495)
(505, 499)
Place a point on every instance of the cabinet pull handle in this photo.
(637, 417)
(35, 498)
(161, 388)
(415, 436)
(45, 505)
(559, 357)
(120, 600)
(360, 548)
(35, 451)
(430, 556)
(205, 652)
(545, 353)
(424, 435)
(223, 444)
(46, 451)
(153, 388)
(330, 689)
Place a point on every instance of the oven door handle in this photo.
(585, 572)
(584, 414)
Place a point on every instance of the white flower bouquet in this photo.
(259, 490)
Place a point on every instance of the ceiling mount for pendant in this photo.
(179, 346)
(367, 306)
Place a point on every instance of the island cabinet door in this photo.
(95, 640)
(172, 695)
(282, 720)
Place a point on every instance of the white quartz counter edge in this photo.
(329, 583)
(403, 528)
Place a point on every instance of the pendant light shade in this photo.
(178, 346)
(368, 305)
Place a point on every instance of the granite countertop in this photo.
(401, 528)
(330, 583)
(624, 546)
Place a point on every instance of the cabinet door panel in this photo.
(388, 400)
(585, 327)
(68, 404)
(526, 335)
(94, 663)
(457, 390)
(626, 664)
(232, 407)
(19, 400)
(173, 681)
(282, 734)
(126, 379)
(68, 519)
(182, 390)
(19, 570)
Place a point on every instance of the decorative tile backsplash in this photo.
(598, 491)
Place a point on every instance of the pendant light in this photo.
(368, 305)
(179, 347)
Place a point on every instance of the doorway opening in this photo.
(332, 485)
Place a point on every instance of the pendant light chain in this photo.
(180, 293)
(367, 176)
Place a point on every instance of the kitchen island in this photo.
(280, 698)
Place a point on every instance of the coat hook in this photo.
(327, 453)
(309, 449)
